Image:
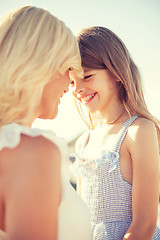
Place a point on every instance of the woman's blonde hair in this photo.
(100, 48)
(34, 46)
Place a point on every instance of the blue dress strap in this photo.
(122, 133)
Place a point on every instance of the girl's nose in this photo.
(78, 91)
(78, 88)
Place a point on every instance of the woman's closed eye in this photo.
(71, 83)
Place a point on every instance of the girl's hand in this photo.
(2, 235)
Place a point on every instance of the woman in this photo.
(2, 235)
(36, 200)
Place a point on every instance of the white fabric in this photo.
(73, 213)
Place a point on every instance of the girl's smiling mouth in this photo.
(87, 98)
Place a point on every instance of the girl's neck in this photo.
(115, 115)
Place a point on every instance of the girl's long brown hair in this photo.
(100, 48)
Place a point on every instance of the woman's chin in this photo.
(49, 116)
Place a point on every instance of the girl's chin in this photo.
(90, 110)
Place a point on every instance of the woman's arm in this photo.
(143, 148)
(2, 235)
(33, 195)
(78, 188)
(78, 146)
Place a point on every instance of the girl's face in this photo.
(98, 90)
(52, 93)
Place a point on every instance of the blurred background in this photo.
(136, 22)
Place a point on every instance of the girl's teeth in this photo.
(85, 99)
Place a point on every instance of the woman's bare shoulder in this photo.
(33, 157)
(38, 146)
(32, 180)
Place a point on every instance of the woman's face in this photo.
(97, 90)
(52, 93)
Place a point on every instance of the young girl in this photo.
(117, 158)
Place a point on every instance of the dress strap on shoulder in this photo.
(122, 132)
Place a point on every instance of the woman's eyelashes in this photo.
(71, 83)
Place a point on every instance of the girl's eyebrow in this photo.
(87, 70)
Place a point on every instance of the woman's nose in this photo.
(66, 90)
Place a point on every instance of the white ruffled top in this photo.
(73, 213)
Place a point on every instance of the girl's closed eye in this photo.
(87, 77)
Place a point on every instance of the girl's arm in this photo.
(143, 148)
(33, 194)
